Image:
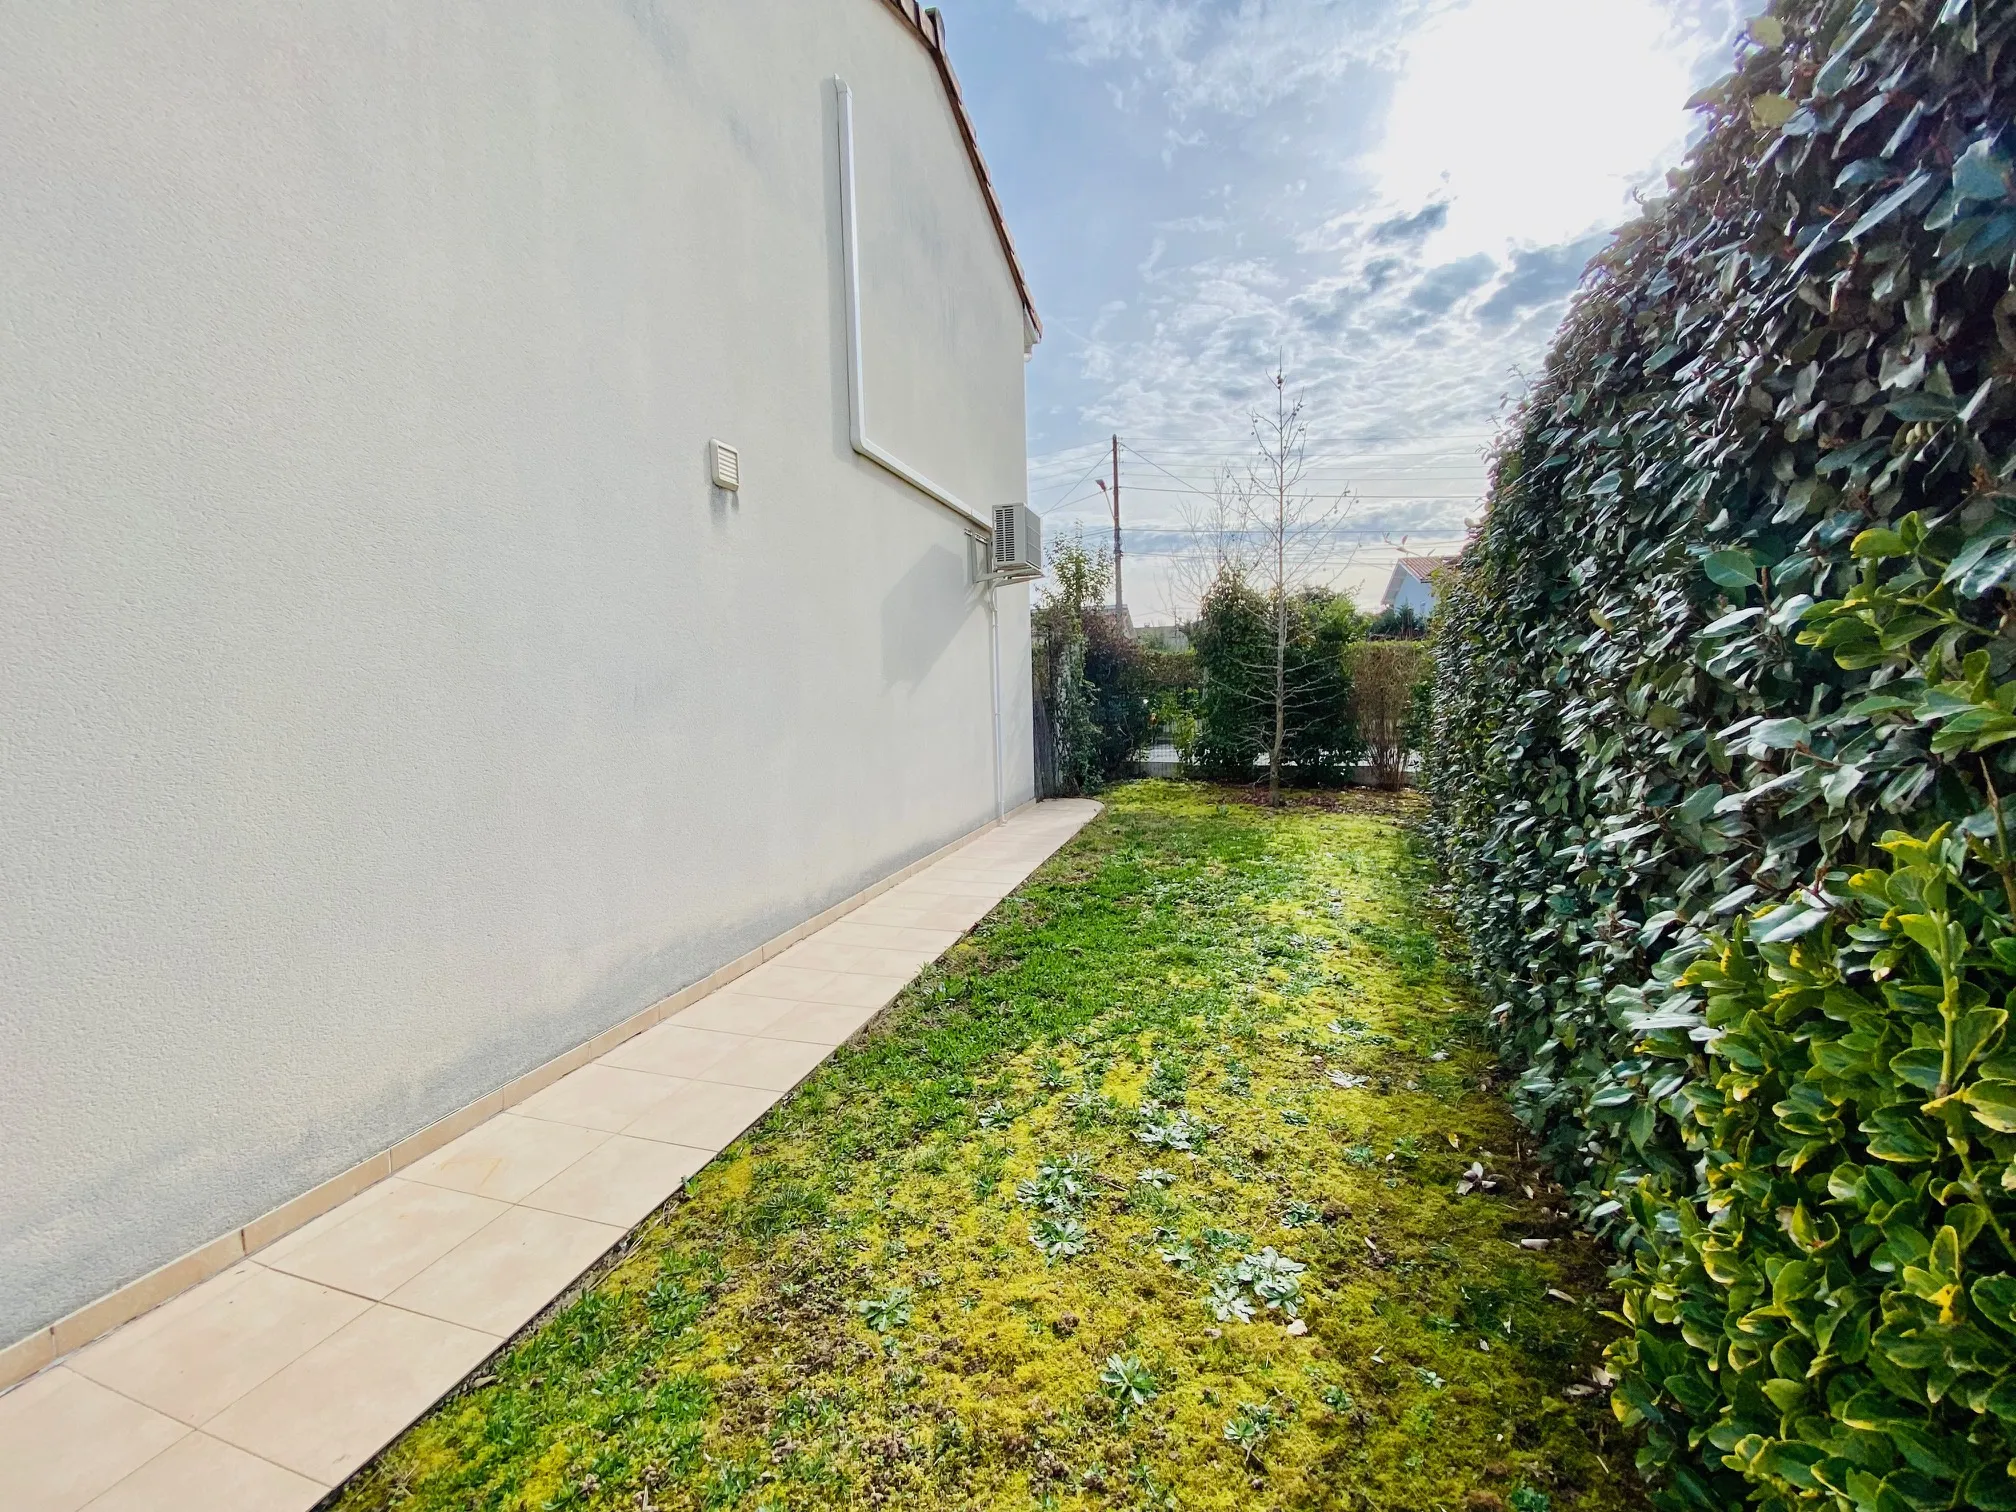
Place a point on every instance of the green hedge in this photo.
(1233, 637)
(1724, 694)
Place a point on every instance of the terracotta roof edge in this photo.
(928, 26)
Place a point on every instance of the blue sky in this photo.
(1395, 196)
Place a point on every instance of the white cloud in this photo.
(1233, 56)
(1535, 120)
(1395, 197)
(1100, 30)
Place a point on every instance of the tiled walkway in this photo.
(267, 1385)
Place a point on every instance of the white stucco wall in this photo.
(389, 704)
(1406, 591)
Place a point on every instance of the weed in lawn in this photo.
(888, 1313)
(1059, 1238)
(1061, 1186)
(1163, 1130)
(1266, 1282)
(1128, 1384)
(1250, 1428)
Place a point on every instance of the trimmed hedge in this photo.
(1725, 691)
(1234, 640)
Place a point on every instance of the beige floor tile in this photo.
(198, 1354)
(391, 1240)
(500, 1276)
(731, 1012)
(203, 1474)
(313, 1231)
(823, 954)
(707, 1116)
(340, 1403)
(793, 984)
(506, 1157)
(621, 1182)
(820, 1023)
(940, 914)
(924, 892)
(1003, 876)
(930, 886)
(672, 1050)
(848, 989)
(854, 931)
(600, 1096)
(64, 1439)
(845, 989)
(777, 1064)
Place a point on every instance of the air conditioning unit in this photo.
(1018, 543)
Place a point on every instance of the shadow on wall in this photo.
(662, 34)
(921, 615)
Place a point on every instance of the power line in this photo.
(1368, 438)
(1193, 488)
(1389, 498)
(1371, 560)
(1358, 530)
(1054, 508)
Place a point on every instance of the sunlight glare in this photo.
(1534, 119)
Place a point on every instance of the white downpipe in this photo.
(857, 399)
(857, 408)
(994, 662)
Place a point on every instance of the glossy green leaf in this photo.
(1731, 569)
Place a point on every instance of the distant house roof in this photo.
(928, 26)
(1424, 567)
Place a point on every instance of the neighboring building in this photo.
(1163, 637)
(1412, 585)
(393, 701)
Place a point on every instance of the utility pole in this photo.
(1119, 598)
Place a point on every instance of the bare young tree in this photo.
(1215, 543)
(1288, 531)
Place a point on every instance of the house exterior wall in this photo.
(1407, 591)
(390, 704)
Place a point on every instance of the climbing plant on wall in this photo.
(1726, 694)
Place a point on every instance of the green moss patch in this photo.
(1181, 1183)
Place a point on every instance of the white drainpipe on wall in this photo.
(994, 662)
(857, 399)
(857, 406)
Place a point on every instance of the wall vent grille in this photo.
(726, 464)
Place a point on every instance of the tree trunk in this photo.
(1280, 698)
(1280, 630)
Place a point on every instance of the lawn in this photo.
(1182, 1182)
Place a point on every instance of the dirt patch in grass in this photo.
(1146, 1196)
